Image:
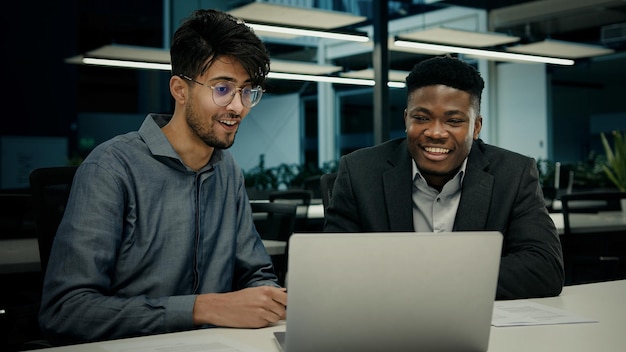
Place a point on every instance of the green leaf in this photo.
(615, 168)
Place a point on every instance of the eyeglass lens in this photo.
(224, 92)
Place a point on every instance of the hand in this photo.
(253, 307)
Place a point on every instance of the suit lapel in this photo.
(398, 189)
(476, 194)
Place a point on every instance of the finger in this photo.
(280, 296)
(278, 309)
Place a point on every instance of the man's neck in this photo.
(191, 149)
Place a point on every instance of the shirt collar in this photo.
(159, 145)
(417, 175)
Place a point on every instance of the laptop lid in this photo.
(391, 291)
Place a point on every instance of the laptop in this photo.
(391, 291)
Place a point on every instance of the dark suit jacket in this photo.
(501, 192)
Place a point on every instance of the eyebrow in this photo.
(227, 78)
(419, 109)
(427, 111)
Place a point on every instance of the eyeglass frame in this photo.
(259, 89)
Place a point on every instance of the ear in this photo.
(478, 125)
(406, 121)
(179, 89)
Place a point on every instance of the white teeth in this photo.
(229, 123)
(437, 150)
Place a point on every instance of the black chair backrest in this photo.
(50, 188)
(312, 183)
(274, 221)
(588, 202)
(299, 197)
(327, 181)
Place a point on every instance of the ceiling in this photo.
(46, 93)
(139, 22)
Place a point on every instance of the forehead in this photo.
(439, 93)
(227, 68)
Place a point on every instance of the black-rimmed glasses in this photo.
(224, 92)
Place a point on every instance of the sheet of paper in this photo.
(522, 312)
(200, 343)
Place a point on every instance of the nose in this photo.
(436, 130)
(236, 104)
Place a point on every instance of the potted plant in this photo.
(615, 167)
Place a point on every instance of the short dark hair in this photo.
(207, 35)
(448, 71)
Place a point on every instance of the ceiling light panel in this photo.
(282, 31)
(295, 16)
(460, 37)
(133, 53)
(302, 67)
(486, 54)
(393, 75)
(561, 49)
(414, 50)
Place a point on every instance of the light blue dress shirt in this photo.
(435, 211)
(143, 234)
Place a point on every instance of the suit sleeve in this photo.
(532, 258)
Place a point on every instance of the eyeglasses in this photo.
(224, 92)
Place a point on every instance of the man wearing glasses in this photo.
(158, 234)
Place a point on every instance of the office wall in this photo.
(271, 128)
(23, 154)
(580, 113)
(97, 127)
(522, 109)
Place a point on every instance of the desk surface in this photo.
(22, 255)
(592, 222)
(19, 255)
(605, 302)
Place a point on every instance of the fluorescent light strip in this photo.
(127, 64)
(274, 75)
(308, 32)
(483, 53)
(330, 79)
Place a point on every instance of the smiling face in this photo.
(216, 125)
(441, 123)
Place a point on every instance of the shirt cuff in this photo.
(179, 312)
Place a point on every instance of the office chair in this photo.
(312, 183)
(596, 256)
(50, 188)
(275, 221)
(588, 202)
(301, 198)
(327, 181)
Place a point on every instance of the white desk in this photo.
(592, 222)
(315, 211)
(22, 255)
(312, 211)
(19, 256)
(275, 247)
(605, 302)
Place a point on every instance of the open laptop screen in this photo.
(391, 291)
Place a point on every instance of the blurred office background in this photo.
(56, 110)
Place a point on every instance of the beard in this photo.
(206, 132)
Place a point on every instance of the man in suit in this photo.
(442, 177)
